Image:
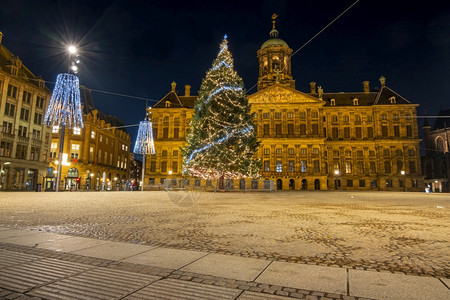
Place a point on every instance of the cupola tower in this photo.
(274, 58)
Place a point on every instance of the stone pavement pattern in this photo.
(39, 265)
(397, 232)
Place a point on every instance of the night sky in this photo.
(138, 48)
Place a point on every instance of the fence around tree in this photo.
(242, 185)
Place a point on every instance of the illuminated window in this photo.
(278, 151)
(266, 166)
(303, 151)
(55, 129)
(279, 166)
(53, 148)
(77, 130)
(303, 166)
(302, 115)
(277, 115)
(265, 115)
(75, 152)
(91, 154)
(348, 167)
(315, 151)
(291, 151)
(266, 151)
(92, 134)
(290, 115)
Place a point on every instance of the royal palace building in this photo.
(96, 157)
(24, 141)
(313, 140)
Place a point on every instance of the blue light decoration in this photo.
(64, 108)
(144, 141)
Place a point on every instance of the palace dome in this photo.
(274, 40)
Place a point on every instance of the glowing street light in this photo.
(336, 172)
(404, 181)
(64, 108)
(72, 49)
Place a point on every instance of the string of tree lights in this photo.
(221, 142)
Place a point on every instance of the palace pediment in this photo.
(280, 94)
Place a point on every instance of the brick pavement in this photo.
(34, 273)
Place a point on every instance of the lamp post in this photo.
(64, 108)
(404, 181)
(336, 181)
(144, 142)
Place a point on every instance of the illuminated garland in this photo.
(221, 141)
(144, 141)
(65, 105)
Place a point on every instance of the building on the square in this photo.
(170, 120)
(24, 141)
(96, 157)
(311, 140)
(436, 162)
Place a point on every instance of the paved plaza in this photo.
(334, 244)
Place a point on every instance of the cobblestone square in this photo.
(384, 231)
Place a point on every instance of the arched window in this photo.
(355, 101)
(439, 144)
(50, 172)
(73, 172)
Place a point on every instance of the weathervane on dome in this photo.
(274, 16)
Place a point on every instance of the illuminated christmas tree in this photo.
(221, 142)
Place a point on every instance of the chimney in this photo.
(312, 87)
(174, 85)
(187, 90)
(1, 37)
(366, 87)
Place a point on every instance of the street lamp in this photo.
(64, 108)
(144, 142)
(404, 181)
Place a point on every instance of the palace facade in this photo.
(24, 141)
(311, 140)
(96, 157)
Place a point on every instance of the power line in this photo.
(317, 34)
(325, 28)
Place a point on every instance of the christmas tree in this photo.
(221, 142)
